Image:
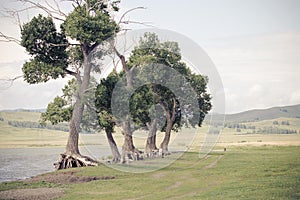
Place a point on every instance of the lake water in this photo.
(21, 163)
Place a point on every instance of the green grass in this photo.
(24, 185)
(266, 172)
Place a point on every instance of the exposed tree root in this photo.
(66, 161)
(128, 156)
(152, 153)
(164, 152)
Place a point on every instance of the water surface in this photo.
(21, 163)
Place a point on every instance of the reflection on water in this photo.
(21, 163)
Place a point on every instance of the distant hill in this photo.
(25, 110)
(265, 114)
(247, 116)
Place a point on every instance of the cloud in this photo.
(22, 95)
(295, 97)
(258, 71)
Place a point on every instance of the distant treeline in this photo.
(28, 124)
(270, 129)
(275, 130)
(240, 126)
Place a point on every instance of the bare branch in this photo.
(6, 38)
(78, 2)
(122, 58)
(57, 9)
(128, 11)
(10, 80)
(148, 24)
(50, 11)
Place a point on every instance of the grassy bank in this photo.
(244, 172)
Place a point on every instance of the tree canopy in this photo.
(48, 49)
(145, 60)
(57, 52)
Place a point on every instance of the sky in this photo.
(254, 44)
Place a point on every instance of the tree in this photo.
(54, 56)
(178, 109)
(103, 105)
(151, 50)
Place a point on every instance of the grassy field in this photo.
(255, 166)
(245, 172)
(13, 137)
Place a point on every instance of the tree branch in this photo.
(11, 80)
(128, 11)
(173, 110)
(148, 24)
(78, 2)
(5, 38)
(70, 72)
(57, 9)
(122, 58)
(50, 12)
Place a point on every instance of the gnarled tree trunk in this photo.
(170, 117)
(72, 156)
(165, 143)
(116, 156)
(128, 149)
(151, 150)
(129, 152)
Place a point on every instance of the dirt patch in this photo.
(33, 194)
(66, 178)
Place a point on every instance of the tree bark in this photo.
(151, 149)
(165, 143)
(170, 116)
(128, 149)
(129, 152)
(72, 145)
(72, 157)
(116, 156)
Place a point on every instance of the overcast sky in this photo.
(254, 44)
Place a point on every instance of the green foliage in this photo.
(57, 111)
(140, 103)
(36, 71)
(75, 56)
(69, 90)
(89, 24)
(103, 101)
(48, 48)
(53, 56)
(151, 50)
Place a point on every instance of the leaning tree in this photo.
(58, 52)
(106, 120)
